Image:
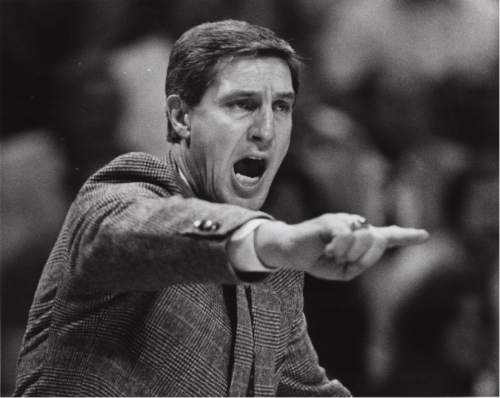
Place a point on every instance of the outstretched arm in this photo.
(329, 246)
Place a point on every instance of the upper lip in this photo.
(255, 156)
(258, 156)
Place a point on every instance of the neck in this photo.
(187, 178)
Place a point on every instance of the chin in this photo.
(255, 204)
(252, 203)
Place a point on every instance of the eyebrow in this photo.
(290, 95)
(287, 95)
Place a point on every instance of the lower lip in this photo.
(245, 186)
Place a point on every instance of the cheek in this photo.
(217, 146)
(283, 142)
(206, 139)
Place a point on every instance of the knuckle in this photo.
(365, 262)
(336, 224)
(326, 219)
(394, 228)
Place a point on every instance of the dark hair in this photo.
(194, 57)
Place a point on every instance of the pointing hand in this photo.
(336, 246)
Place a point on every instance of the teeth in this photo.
(246, 179)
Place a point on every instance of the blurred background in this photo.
(397, 120)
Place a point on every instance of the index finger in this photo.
(398, 236)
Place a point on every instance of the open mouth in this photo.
(249, 170)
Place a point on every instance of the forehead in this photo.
(253, 74)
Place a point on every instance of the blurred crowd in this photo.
(397, 120)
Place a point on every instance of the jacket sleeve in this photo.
(125, 236)
(302, 375)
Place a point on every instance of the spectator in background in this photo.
(59, 112)
(32, 208)
(441, 334)
(435, 328)
(421, 78)
(88, 107)
(414, 69)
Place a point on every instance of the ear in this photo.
(178, 116)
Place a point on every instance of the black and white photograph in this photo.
(208, 198)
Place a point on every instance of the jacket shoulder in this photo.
(136, 167)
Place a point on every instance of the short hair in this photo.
(194, 57)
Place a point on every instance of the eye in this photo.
(245, 104)
(282, 106)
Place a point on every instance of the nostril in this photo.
(256, 137)
(255, 134)
(261, 134)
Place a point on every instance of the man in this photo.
(166, 279)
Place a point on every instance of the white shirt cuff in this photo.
(241, 248)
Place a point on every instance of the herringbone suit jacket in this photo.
(137, 300)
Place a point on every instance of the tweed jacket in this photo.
(137, 299)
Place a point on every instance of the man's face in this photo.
(240, 130)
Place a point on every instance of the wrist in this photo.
(241, 248)
(269, 244)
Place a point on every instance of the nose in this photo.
(262, 129)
